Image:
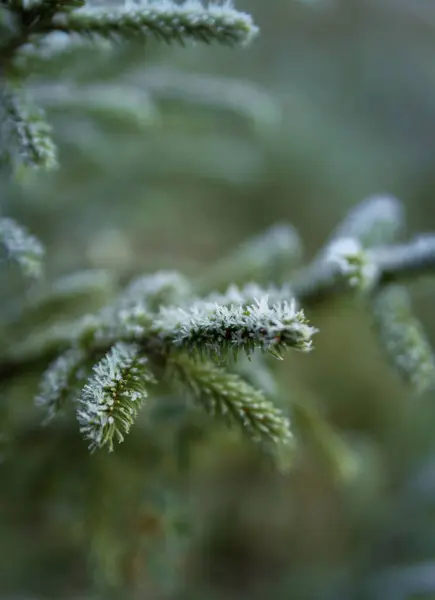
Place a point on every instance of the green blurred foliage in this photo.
(183, 509)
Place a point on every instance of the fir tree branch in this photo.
(216, 93)
(376, 221)
(26, 136)
(243, 296)
(227, 396)
(216, 330)
(354, 263)
(156, 290)
(315, 283)
(165, 20)
(393, 264)
(49, 53)
(345, 260)
(61, 382)
(403, 338)
(111, 399)
(21, 247)
(72, 288)
(267, 257)
(404, 262)
(42, 7)
(100, 101)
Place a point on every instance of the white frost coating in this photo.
(215, 327)
(353, 262)
(171, 21)
(165, 284)
(376, 220)
(57, 380)
(113, 395)
(21, 246)
(246, 295)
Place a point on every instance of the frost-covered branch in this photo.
(375, 221)
(111, 399)
(25, 136)
(31, 22)
(127, 105)
(158, 323)
(165, 20)
(217, 330)
(158, 289)
(384, 265)
(60, 382)
(362, 252)
(216, 93)
(265, 258)
(403, 338)
(21, 246)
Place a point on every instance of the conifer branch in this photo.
(26, 136)
(227, 396)
(21, 247)
(47, 6)
(73, 287)
(267, 257)
(404, 262)
(111, 399)
(156, 290)
(100, 101)
(61, 382)
(376, 221)
(47, 53)
(217, 93)
(393, 264)
(203, 326)
(217, 330)
(244, 296)
(165, 20)
(346, 258)
(403, 338)
(354, 263)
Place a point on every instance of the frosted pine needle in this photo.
(114, 394)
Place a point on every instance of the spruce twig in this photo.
(227, 396)
(166, 21)
(26, 136)
(21, 247)
(403, 338)
(111, 399)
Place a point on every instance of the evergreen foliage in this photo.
(112, 353)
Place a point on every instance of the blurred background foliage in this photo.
(337, 102)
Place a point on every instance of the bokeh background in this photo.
(334, 101)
